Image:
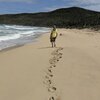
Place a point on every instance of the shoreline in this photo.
(18, 35)
(38, 71)
(40, 35)
(35, 39)
(10, 48)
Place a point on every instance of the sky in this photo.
(32, 6)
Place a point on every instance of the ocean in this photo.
(13, 35)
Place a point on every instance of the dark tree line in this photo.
(73, 17)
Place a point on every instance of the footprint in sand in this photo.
(60, 57)
(52, 89)
(52, 66)
(51, 98)
(54, 60)
(47, 83)
(56, 51)
(46, 77)
(50, 70)
(60, 53)
(55, 98)
(49, 74)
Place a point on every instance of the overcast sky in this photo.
(31, 6)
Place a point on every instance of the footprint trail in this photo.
(48, 81)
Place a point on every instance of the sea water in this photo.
(13, 35)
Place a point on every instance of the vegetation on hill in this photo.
(73, 17)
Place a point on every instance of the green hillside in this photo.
(66, 17)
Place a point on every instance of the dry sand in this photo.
(71, 71)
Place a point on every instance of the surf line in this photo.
(48, 81)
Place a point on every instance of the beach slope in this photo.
(71, 71)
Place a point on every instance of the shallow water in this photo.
(12, 35)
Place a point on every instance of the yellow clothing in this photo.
(54, 33)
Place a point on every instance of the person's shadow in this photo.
(45, 47)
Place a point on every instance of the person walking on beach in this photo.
(53, 36)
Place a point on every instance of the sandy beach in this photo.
(35, 71)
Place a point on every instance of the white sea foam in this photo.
(8, 32)
(11, 35)
(27, 32)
